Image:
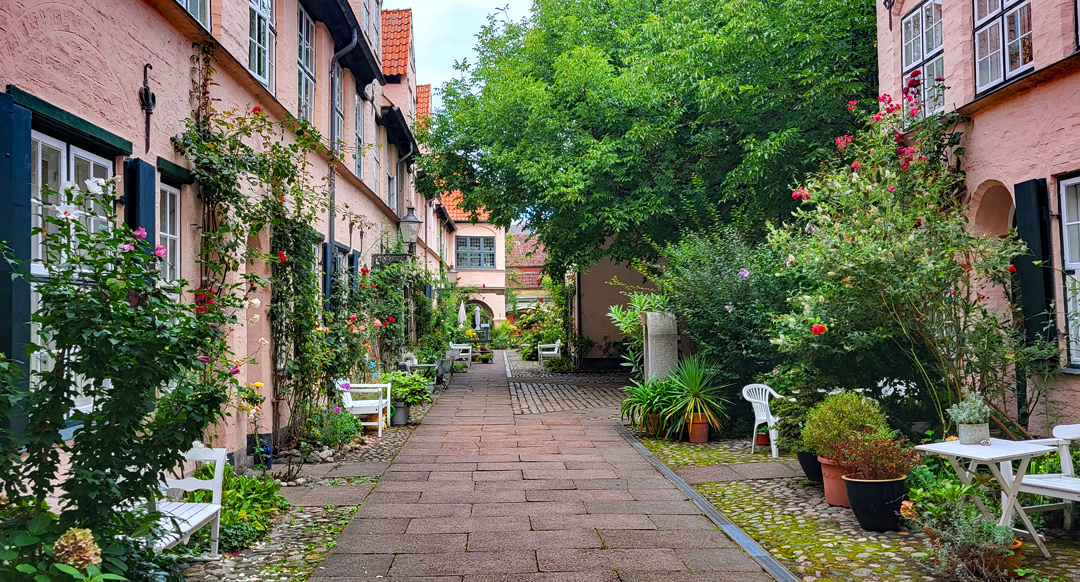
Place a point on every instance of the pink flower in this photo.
(744, 273)
(851, 105)
(800, 194)
(204, 359)
(842, 142)
(914, 111)
(856, 165)
(378, 323)
(337, 409)
(126, 247)
(892, 188)
(235, 370)
(344, 385)
(161, 251)
(352, 318)
(885, 98)
(140, 233)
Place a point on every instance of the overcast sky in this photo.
(446, 31)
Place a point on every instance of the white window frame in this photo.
(1063, 210)
(480, 253)
(358, 135)
(1005, 40)
(923, 58)
(337, 114)
(169, 233)
(305, 60)
(199, 9)
(91, 218)
(37, 207)
(261, 22)
(377, 21)
(377, 157)
(1072, 324)
(995, 20)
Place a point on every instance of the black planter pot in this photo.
(811, 467)
(876, 504)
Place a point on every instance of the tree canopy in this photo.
(611, 126)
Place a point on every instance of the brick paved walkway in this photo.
(481, 495)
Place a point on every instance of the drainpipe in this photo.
(333, 144)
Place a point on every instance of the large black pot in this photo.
(876, 504)
(811, 466)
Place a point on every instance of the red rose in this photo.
(1012, 268)
(281, 256)
(818, 329)
(256, 110)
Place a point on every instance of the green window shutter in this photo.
(328, 268)
(1036, 280)
(140, 193)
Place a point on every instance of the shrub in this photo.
(332, 427)
(799, 391)
(538, 325)
(408, 388)
(651, 397)
(694, 392)
(560, 364)
(876, 455)
(248, 506)
(829, 422)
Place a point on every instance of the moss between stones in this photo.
(683, 454)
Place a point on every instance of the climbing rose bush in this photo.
(887, 260)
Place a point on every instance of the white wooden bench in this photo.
(548, 351)
(380, 405)
(464, 353)
(180, 519)
(1064, 485)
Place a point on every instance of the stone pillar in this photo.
(661, 343)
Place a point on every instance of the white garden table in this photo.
(997, 452)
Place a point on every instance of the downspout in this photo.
(333, 144)
(401, 161)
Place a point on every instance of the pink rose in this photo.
(160, 251)
(140, 233)
(235, 370)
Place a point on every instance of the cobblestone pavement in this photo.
(536, 397)
(291, 551)
(684, 454)
(481, 494)
(529, 370)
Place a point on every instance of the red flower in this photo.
(818, 329)
(281, 256)
(257, 110)
(364, 271)
(851, 105)
(540, 300)
(916, 73)
(390, 319)
(1012, 268)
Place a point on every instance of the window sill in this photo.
(1026, 80)
(1071, 370)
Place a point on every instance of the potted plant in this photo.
(962, 541)
(696, 403)
(972, 417)
(762, 438)
(827, 424)
(645, 403)
(877, 482)
(406, 390)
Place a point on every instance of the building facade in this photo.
(71, 72)
(1011, 69)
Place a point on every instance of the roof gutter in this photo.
(333, 143)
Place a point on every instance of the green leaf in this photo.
(26, 569)
(69, 570)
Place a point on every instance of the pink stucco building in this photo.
(71, 72)
(1011, 68)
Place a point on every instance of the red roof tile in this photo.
(527, 250)
(423, 100)
(452, 202)
(396, 31)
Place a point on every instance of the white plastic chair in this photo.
(548, 351)
(380, 405)
(758, 395)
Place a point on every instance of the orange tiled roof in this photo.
(423, 100)
(396, 30)
(452, 202)
(527, 250)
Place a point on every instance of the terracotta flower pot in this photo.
(652, 424)
(833, 476)
(762, 439)
(699, 428)
(997, 563)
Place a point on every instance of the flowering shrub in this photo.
(331, 427)
(885, 261)
(875, 455)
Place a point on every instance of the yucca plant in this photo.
(694, 392)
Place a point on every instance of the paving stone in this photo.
(571, 560)
(718, 560)
(513, 523)
(602, 521)
(505, 562)
(679, 522)
(354, 565)
(646, 507)
(678, 539)
(415, 510)
(637, 576)
(383, 543)
(589, 576)
(529, 508)
(487, 541)
(361, 526)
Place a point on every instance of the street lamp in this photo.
(409, 228)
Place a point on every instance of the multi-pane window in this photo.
(306, 64)
(376, 156)
(262, 41)
(1070, 239)
(377, 21)
(358, 131)
(922, 41)
(475, 252)
(1003, 47)
(367, 18)
(169, 231)
(200, 9)
(339, 105)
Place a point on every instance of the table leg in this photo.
(1010, 503)
(966, 477)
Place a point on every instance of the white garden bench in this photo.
(1064, 485)
(548, 351)
(464, 353)
(380, 405)
(180, 519)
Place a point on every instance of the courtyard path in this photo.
(551, 493)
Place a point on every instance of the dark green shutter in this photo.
(328, 268)
(1036, 280)
(15, 235)
(140, 192)
(354, 268)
